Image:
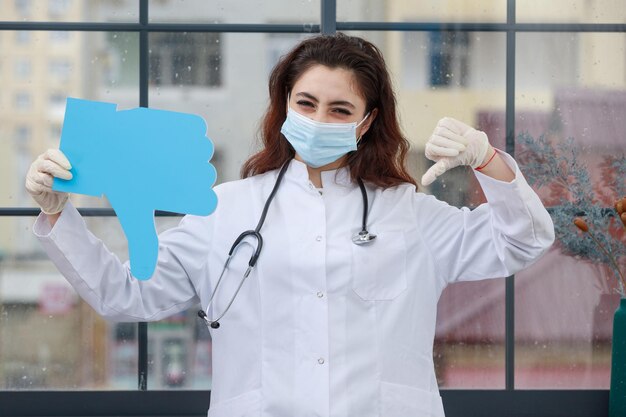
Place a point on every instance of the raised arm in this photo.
(107, 284)
(497, 239)
(98, 275)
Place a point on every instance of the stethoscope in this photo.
(361, 238)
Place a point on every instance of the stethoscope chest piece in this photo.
(363, 238)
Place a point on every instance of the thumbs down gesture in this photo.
(453, 143)
(142, 160)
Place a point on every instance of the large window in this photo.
(523, 71)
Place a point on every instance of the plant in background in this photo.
(568, 192)
(582, 225)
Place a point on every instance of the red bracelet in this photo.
(487, 163)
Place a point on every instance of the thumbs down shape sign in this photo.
(142, 160)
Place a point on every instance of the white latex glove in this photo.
(454, 143)
(48, 165)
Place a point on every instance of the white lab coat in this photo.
(322, 327)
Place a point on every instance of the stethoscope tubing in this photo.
(362, 237)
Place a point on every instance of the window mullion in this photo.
(509, 330)
(142, 328)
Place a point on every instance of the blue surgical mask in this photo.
(318, 143)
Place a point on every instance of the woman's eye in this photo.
(343, 111)
(305, 103)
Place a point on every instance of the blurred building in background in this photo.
(51, 339)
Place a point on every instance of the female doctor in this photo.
(327, 306)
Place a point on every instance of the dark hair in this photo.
(382, 151)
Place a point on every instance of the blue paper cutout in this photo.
(143, 160)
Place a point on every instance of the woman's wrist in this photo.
(495, 167)
(489, 156)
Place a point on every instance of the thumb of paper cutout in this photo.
(143, 160)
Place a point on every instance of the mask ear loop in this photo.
(359, 139)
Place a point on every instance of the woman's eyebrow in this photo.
(336, 103)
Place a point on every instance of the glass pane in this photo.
(469, 342)
(574, 11)
(39, 71)
(422, 11)
(70, 10)
(461, 75)
(179, 353)
(306, 12)
(204, 73)
(49, 338)
(438, 74)
(570, 106)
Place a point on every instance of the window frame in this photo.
(458, 402)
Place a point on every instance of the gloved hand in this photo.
(51, 163)
(454, 143)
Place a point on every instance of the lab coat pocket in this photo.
(379, 268)
(247, 404)
(402, 400)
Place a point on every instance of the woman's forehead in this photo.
(329, 84)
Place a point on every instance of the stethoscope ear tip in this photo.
(363, 238)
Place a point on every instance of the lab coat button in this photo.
(320, 361)
(318, 238)
(320, 294)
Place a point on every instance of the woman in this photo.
(331, 321)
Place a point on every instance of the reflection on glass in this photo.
(70, 10)
(223, 78)
(37, 79)
(50, 339)
(458, 74)
(571, 11)
(179, 353)
(569, 123)
(305, 12)
(424, 11)
(469, 341)
(180, 59)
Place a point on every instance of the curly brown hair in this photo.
(381, 156)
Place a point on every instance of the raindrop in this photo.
(189, 68)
